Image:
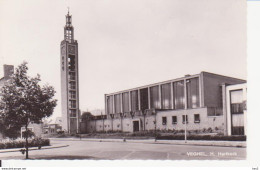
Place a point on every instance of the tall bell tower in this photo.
(69, 79)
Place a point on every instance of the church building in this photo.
(197, 103)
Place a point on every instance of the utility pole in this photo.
(185, 126)
(185, 108)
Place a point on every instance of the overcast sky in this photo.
(125, 43)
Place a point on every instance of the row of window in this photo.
(184, 119)
(72, 94)
(72, 85)
(68, 34)
(72, 103)
(168, 97)
(72, 76)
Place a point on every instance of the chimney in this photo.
(8, 71)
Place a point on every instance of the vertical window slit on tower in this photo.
(71, 62)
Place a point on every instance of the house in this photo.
(51, 128)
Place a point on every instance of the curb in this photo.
(240, 145)
(198, 144)
(32, 148)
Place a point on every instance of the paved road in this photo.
(131, 151)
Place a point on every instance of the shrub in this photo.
(20, 143)
(209, 130)
(181, 131)
(150, 133)
(60, 132)
(196, 131)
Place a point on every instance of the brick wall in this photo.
(205, 122)
(212, 85)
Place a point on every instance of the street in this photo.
(84, 149)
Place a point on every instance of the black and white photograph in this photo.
(123, 80)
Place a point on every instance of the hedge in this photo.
(203, 137)
(20, 143)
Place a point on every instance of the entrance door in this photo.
(136, 126)
(237, 124)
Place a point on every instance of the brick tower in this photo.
(69, 79)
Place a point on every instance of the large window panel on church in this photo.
(126, 102)
(118, 103)
(179, 99)
(110, 104)
(193, 100)
(144, 99)
(134, 100)
(154, 97)
(166, 96)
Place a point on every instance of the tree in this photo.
(86, 116)
(24, 101)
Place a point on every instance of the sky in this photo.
(125, 43)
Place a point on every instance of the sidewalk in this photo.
(171, 142)
(32, 148)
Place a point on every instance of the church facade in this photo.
(69, 79)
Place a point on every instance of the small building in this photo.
(37, 129)
(192, 102)
(51, 128)
(42, 128)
